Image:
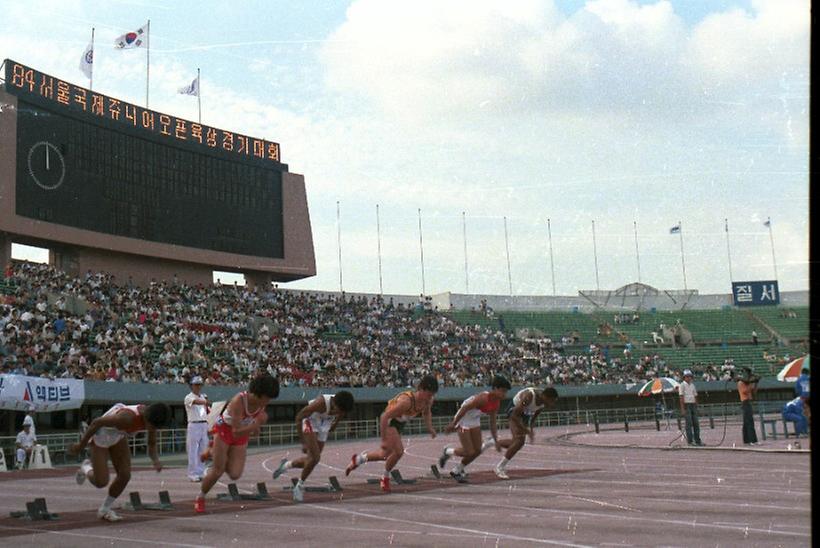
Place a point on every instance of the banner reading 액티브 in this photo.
(21, 393)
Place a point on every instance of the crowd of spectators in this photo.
(92, 327)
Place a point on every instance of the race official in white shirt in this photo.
(196, 407)
(25, 442)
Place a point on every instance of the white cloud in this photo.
(424, 61)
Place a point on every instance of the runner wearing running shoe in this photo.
(468, 423)
(314, 422)
(527, 404)
(399, 410)
(108, 438)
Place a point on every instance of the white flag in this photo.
(130, 40)
(87, 61)
(191, 89)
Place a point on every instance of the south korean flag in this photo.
(134, 39)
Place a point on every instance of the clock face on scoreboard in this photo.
(93, 162)
(46, 165)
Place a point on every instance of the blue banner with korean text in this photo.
(760, 293)
(38, 394)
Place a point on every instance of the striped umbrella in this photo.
(791, 371)
(661, 385)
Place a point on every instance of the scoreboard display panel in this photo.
(93, 162)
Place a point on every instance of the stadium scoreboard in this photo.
(91, 161)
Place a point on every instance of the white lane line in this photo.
(654, 500)
(447, 527)
(101, 537)
(312, 524)
(721, 486)
(590, 514)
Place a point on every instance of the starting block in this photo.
(333, 486)
(234, 494)
(135, 502)
(396, 475)
(437, 475)
(36, 510)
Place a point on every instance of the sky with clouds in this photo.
(491, 116)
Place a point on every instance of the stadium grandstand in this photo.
(91, 327)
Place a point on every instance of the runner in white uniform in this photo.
(526, 406)
(107, 436)
(314, 422)
(468, 423)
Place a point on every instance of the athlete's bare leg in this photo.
(219, 454)
(98, 475)
(236, 461)
(121, 460)
(470, 445)
(312, 448)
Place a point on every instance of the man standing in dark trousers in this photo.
(747, 388)
(689, 408)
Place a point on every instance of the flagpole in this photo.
(728, 250)
(339, 243)
(199, 94)
(91, 78)
(637, 253)
(771, 239)
(147, 59)
(421, 250)
(464, 232)
(682, 261)
(507, 246)
(379, 249)
(552, 262)
(595, 254)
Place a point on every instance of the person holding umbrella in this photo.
(689, 408)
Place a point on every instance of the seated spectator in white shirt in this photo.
(25, 443)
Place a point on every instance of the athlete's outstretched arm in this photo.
(152, 448)
(428, 420)
(316, 406)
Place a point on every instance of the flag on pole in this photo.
(767, 223)
(87, 60)
(675, 229)
(191, 89)
(130, 40)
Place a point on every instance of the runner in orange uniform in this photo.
(399, 410)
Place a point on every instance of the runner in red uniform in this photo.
(402, 408)
(238, 420)
(108, 437)
(468, 423)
